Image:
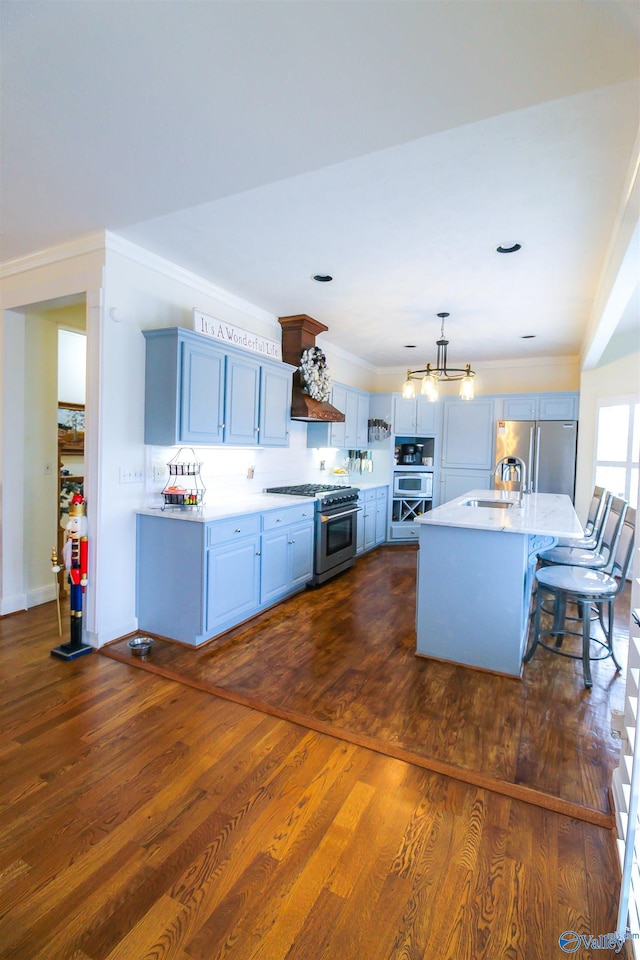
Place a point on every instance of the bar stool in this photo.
(586, 588)
(598, 557)
(595, 522)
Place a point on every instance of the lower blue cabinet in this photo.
(196, 579)
(233, 583)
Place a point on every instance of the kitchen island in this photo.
(476, 569)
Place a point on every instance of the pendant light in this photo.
(432, 375)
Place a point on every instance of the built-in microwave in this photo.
(412, 484)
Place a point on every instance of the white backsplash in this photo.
(226, 470)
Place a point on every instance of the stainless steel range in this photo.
(336, 525)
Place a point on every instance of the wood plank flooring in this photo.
(341, 659)
(142, 818)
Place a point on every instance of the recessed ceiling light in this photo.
(322, 278)
(528, 336)
(410, 346)
(508, 247)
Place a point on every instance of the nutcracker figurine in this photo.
(74, 555)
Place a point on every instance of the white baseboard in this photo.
(13, 604)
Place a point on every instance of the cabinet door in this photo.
(233, 582)
(274, 581)
(427, 417)
(201, 394)
(362, 420)
(360, 524)
(337, 431)
(558, 408)
(454, 483)
(275, 407)
(520, 408)
(381, 515)
(241, 401)
(351, 420)
(404, 417)
(468, 430)
(369, 524)
(300, 554)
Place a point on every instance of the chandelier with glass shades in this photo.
(431, 375)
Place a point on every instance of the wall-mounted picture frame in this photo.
(71, 427)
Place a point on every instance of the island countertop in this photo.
(544, 514)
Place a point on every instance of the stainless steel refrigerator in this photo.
(548, 448)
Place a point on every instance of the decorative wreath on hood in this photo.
(316, 380)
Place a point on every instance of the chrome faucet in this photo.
(512, 470)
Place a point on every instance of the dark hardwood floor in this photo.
(144, 818)
(341, 660)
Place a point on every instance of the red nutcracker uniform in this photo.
(75, 554)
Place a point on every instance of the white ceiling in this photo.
(390, 143)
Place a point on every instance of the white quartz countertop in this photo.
(545, 514)
(229, 507)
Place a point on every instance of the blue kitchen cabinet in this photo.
(353, 432)
(287, 551)
(232, 572)
(372, 521)
(170, 580)
(242, 395)
(275, 405)
(467, 434)
(454, 483)
(381, 515)
(417, 417)
(551, 406)
(200, 392)
(184, 388)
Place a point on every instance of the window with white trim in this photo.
(618, 448)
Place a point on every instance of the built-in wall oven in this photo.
(336, 526)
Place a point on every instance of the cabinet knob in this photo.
(291, 541)
(278, 520)
(221, 426)
(258, 554)
(238, 530)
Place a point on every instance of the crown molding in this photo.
(174, 271)
(91, 243)
(493, 364)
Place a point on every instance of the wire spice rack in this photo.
(184, 487)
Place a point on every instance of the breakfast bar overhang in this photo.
(476, 569)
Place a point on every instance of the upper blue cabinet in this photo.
(201, 392)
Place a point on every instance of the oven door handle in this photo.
(324, 517)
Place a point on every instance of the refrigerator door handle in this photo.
(537, 456)
(531, 462)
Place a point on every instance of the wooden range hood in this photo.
(298, 334)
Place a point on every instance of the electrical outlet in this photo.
(159, 472)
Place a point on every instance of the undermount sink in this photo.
(492, 504)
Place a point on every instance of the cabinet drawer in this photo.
(381, 493)
(282, 518)
(234, 529)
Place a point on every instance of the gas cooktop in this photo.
(307, 489)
